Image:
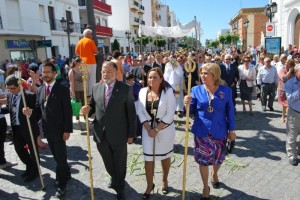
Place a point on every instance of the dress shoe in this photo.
(205, 198)
(60, 192)
(31, 177)
(264, 109)
(109, 184)
(7, 165)
(271, 108)
(165, 188)
(293, 162)
(25, 173)
(57, 183)
(147, 195)
(121, 196)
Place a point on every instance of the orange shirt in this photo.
(85, 49)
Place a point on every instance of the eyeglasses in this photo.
(217, 60)
(227, 59)
(268, 61)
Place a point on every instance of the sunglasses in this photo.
(227, 59)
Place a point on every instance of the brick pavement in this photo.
(258, 168)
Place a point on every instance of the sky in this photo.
(213, 15)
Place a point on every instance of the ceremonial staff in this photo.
(189, 67)
(84, 72)
(18, 76)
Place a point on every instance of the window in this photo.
(13, 18)
(98, 22)
(21, 55)
(42, 13)
(51, 18)
(104, 22)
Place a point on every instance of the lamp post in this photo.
(270, 10)
(128, 35)
(68, 26)
(246, 23)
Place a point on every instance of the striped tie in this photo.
(108, 94)
(14, 111)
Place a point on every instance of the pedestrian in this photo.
(3, 128)
(267, 78)
(19, 125)
(86, 50)
(114, 124)
(53, 106)
(156, 110)
(214, 122)
(117, 58)
(292, 89)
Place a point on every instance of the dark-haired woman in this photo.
(156, 108)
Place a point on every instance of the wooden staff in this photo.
(18, 76)
(84, 71)
(189, 67)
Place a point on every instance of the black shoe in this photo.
(25, 173)
(264, 109)
(165, 190)
(271, 108)
(109, 184)
(31, 177)
(230, 145)
(147, 195)
(216, 185)
(60, 192)
(57, 183)
(293, 162)
(121, 196)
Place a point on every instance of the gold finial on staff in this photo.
(84, 71)
(18, 76)
(189, 67)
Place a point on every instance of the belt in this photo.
(294, 109)
(267, 83)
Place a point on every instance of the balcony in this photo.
(102, 7)
(135, 6)
(55, 25)
(103, 31)
(141, 10)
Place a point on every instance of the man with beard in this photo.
(114, 124)
(53, 106)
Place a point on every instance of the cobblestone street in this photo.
(257, 169)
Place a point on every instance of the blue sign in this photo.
(273, 45)
(44, 43)
(17, 44)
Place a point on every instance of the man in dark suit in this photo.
(149, 65)
(53, 104)
(21, 134)
(114, 124)
(230, 74)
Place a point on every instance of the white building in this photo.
(101, 12)
(287, 22)
(128, 14)
(22, 22)
(223, 32)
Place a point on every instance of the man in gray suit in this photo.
(114, 124)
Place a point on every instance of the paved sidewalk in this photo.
(258, 168)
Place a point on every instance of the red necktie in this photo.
(47, 90)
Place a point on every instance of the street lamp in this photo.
(270, 10)
(246, 24)
(68, 27)
(128, 35)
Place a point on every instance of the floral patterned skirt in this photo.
(209, 151)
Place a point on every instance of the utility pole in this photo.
(140, 20)
(92, 26)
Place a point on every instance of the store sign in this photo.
(270, 29)
(273, 45)
(44, 43)
(17, 44)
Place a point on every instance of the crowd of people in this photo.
(142, 95)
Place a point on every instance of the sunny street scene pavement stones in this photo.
(257, 169)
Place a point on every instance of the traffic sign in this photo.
(270, 29)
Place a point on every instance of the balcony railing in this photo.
(137, 20)
(103, 7)
(142, 7)
(55, 25)
(103, 31)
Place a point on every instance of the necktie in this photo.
(14, 110)
(108, 94)
(47, 90)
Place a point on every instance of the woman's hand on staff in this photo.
(152, 133)
(85, 109)
(187, 100)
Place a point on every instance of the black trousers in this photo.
(115, 161)
(267, 90)
(59, 151)
(20, 141)
(3, 129)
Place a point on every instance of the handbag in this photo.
(76, 106)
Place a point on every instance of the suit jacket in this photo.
(229, 77)
(30, 101)
(118, 121)
(57, 115)
(221, 120)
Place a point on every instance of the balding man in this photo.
(86, 49)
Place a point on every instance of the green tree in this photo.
(214, 44)
(228, 39)
(222, 39)
(115, 45)
(159, 42)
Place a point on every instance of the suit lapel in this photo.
(52, 93)
(114, 93)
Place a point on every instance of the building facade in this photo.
(102, 11)
(249, 33)
(287, 22)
